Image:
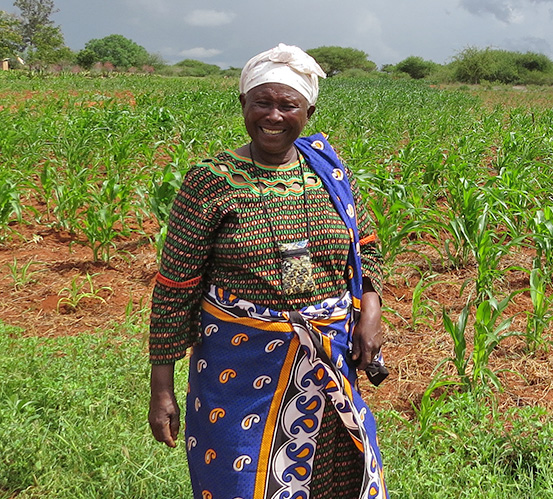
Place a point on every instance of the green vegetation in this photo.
(10, 37)
(42, 41)
(416, 67)
(475, 65)
(73, 421)
(34, 36)
(469, 451)
(190, 67)
(73, 425)
(336, 60)
(115, 49)
(455, 186)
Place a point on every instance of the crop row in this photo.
(447, 179)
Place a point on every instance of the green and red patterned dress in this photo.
(220, 288)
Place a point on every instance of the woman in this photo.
(270, 272)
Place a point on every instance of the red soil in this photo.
(412, 352)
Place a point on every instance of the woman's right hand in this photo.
(164, 414)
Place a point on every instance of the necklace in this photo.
(296, 267)
(263, 196)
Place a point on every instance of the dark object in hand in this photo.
(376, 372)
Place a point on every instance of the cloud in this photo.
(498, 8)
(199, 53)
(528, 44)
(159, 8)
(502, 10)
(209, 18)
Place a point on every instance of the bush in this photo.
(117, 50)
(534, 62)
(86, 58)
(471, 65)
(416, 67)
(474, 65)
(191, 67)
(334, 60)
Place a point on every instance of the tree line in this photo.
(32, 39)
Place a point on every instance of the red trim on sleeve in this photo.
(180, 285)
(368, 239)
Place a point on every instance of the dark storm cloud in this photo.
(229, 33)
(506, 12)
(529, 44)
(499, 9)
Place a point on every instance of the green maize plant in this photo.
(79, 290)
(489, 331)
(395, 222)
(541, 226)
(518, 148)
(513, 198)
(400, 216)
(99, 227)
(472, 367)
(47, 179)
(421, 164)
(422, 307)
(542, 310)
(457, 332)
(488, 247)
(69, 190)
(10, 203)
(163, 190)
(106, 217)
(430, 408)
(21, 274)
(77, 141)
(467, 203)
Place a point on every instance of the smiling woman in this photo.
(270, 272)
(274, 115)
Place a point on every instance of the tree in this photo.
(416, 67)
(41, 39)
(86, 58)
(120, 51)
(336, 60)
(191, 67)
(531, 61)
(10, 35)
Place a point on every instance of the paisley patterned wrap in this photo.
(258, 387)
(325, 163)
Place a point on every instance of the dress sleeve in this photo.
(371, 259)
(176, 299)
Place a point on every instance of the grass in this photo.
(474, 452)
(73, 420)
(450, 175)
(73, 425)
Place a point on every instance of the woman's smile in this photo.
(271, 132)
(274, 115)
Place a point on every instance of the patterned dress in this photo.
(220, 261)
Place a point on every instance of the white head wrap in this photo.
(285, 64)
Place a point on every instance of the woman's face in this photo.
(274, 115)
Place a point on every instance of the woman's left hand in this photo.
(367, 335)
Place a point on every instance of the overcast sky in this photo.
(228, 33)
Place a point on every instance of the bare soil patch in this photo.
(58, 259)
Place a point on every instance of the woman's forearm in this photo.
(162, 378)
(164, 414)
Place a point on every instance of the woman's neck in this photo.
(268, 159)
